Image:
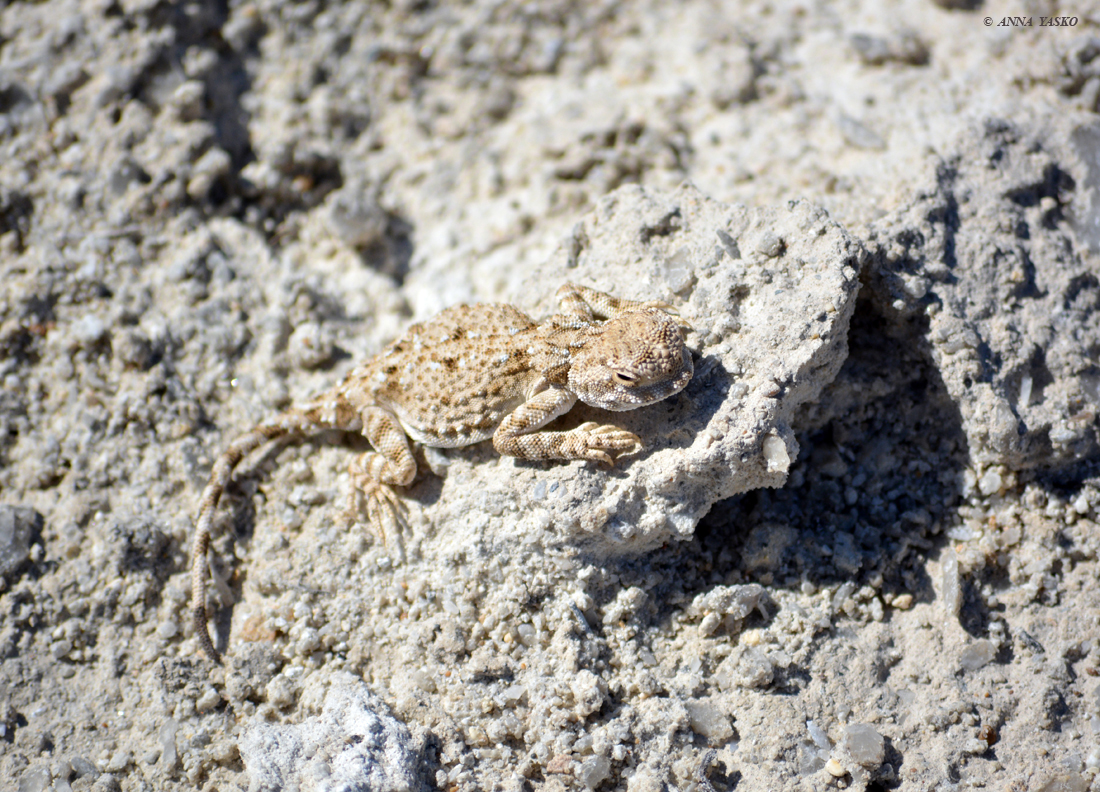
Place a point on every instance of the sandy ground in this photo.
(211, 210)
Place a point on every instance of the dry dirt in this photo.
(211, 209)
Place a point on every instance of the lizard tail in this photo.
(290, 425)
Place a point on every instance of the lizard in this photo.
(472, 373)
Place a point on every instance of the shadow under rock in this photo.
(878, 471)
(392, 253)
(198, 27)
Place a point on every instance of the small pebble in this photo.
(119, 761)
(36, 779)
(952, 591)
(514, 693)
(1070, 782)
(859, 134)
(818, 735)
(18, 526)
(168, 753)
(168, 630)
(770, 245)
(82, 767)
(775, 454)
(978, 654)
(709, 719)
(990, 483)
(208, 700)
(865, 744)
(835, 769)
(594, 771)
(89, 329)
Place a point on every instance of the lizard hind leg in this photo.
(374, 474)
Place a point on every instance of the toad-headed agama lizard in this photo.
(471, 373)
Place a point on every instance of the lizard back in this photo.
(452, 379)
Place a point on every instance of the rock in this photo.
(36, 779)
(20, 527)
(354, 216)
(729, 603)
(710, 718)
(951, 584)
(594, 771)
(746, 667)
(588, 693)
(987, 260)
(769, 292)
(978, 654)
(1069, 782)
(355, 745)
(865, 745)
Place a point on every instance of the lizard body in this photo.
(472, 373)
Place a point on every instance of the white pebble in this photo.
(865, 744)
(775, 454)
(89, 329)
(168, 630)
(952, 595)
(588, 695)
(990, 483)
(978, 654)
(709, 719)
(526, 634)
(1025, 391)
(208, 700)
(119, 761)
(513, 694)
(818, 735)
(594, 771)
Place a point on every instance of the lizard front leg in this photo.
(375, 473)
(518, 434)
(586, 303)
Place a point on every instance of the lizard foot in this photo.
(384, 509)
(592, 441)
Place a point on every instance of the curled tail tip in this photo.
(203, 635)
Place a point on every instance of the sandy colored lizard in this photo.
(472, 373)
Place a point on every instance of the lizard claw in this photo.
(596, 440)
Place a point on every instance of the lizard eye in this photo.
(623, 378)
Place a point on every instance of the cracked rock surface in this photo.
(353, 744)
(769, 292)
(985, 258)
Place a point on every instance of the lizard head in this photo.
(635, 359)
